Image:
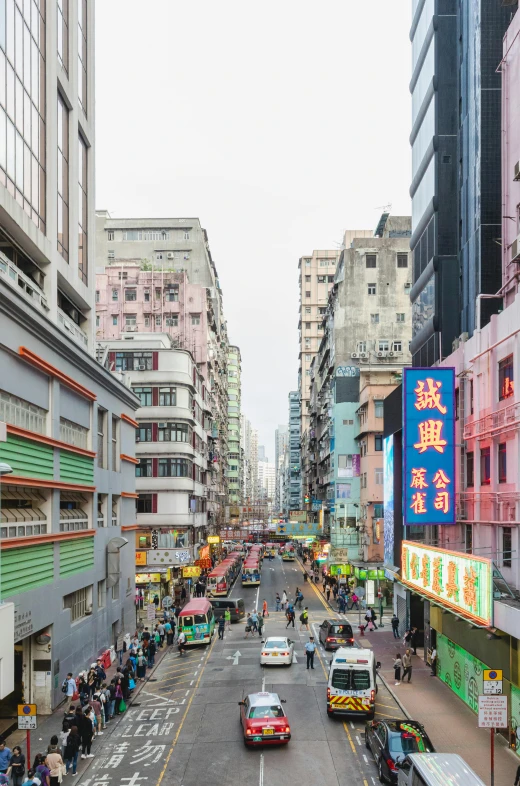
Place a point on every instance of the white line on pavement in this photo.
(358, 738)
(187, 692)
(191, 683)
(365, 758)
(352, 725)
(261, 780)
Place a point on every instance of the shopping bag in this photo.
(122, 706)
(131, 683)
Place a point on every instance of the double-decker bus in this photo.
(288, 553)
(196, 620)
(251, 572)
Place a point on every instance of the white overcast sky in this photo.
(279, 124)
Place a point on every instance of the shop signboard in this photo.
(339, 570)
(461, 582)
(191, 572)
(140, 557)
(150, 611)
(461, 671)
(168, 557)
(205, 564)
(213, 539)
(298, 515)
(376, 573)
(147, 578)
(429, 446)
(338, 554)
(204, 552)
(23, 625)
(297, 528)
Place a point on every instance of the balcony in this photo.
(13, 276)
(495, 507)
(74, 331)
(493, 424)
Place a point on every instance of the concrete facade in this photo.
(281, 441)
(234, 457)
(293, 478)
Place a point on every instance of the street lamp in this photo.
(5, 469)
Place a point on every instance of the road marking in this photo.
(352, 725)
(349, 738)
(187, 692)
(191, 683)
(174, 743)
(261, 779)
(358, 739)
(263, 683)
(365, 758)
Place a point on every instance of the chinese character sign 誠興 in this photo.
(429, 445)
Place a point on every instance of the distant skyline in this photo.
(277, 136)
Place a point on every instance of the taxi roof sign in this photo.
(27, 709)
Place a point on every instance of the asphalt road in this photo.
(184, 728)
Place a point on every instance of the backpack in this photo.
(64, 686)
(302, 617)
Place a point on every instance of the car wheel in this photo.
(380, 771)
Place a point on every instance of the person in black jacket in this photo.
(69, 717)
(151, 653)
(87, 734)
(71, 752)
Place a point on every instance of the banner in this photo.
(298, 528)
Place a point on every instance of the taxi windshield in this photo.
(275, 644)
(266, 712)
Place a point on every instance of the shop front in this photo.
(151, 587)
(372, 585)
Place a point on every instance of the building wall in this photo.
(294, 479)
(234, 460)
(510, 68)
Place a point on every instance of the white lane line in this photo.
(187, 692)
(191, 683)
(358, 738)
(365, 758)
(352, 725)
(257, 596)
(263, 683)
(261, 779)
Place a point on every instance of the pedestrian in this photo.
(304, 618)
(265, 612)
(70, 685)
(335, 591)
(407, 637)
(160, 630)
(290, 616)
(373, 616)
(413, 640)
(398, 664)
(42, 771)
(87, 734)
(254, 620)
(118, 695)
(517, 779)
(249, 627)
(221, 626)
(183, 595)
(54, 745)
(278, 601)
(310, 649)
(5, 756)
(316, 576)
(327, 593)
(433, 662)
(100, 674)
(156, 601)
(260, 626)
(354, 601)
(181, 641)
(168, 632)
(55, 763)
(341, 604)
(407, 663)
(324, 583)
(151, 653)
(145, 635)
(96, 707)
(71, 751)
(141, 666)
(395, 626)
(69, 717)
(64, 734)
(284, 600)
(17, 766)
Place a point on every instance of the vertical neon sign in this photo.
(429, 445)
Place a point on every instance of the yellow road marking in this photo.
(349, 738)
(390, 706)
(174, 743)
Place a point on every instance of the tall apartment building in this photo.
(294, 476)
(158, 275)
(266, 484)
(365, 344)
(67, 563)
(455, 189)
(246, 484)
(234, 458)
(254, 464)
(281, 437)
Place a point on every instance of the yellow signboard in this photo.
(27, 709)
(147, 578)
(213, 539)
(191, 572)
(140, 557)
(492, 674)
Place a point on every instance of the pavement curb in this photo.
(393, 695)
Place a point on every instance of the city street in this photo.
(184, 727)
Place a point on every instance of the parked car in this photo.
(390, 740)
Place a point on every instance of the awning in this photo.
(14, 492)
(22, 515)
(72, 513)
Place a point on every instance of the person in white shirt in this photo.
(433, 663)
(71, 686)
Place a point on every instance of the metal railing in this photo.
(496, 421)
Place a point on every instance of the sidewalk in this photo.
(52, 724)
(451, 724)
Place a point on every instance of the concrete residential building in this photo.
(246, 452)
(281, 441)
(234, 459)
(294, 475)
(366, 335)
(67, 564)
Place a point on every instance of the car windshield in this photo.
(275, 644)
(266, 712)
(341, 630)
(351, 679)
(412, 741)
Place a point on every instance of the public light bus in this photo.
(288, 554)
(251, 572)
(219, 581)
(196, 620)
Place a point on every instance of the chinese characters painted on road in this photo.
(461, 582)
(429, 445)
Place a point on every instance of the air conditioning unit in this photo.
(363, 355)
(382, 354)
(354, 355)
(131, 328)
(407, 285)
(161, 425)
(170, 255)
(142, 367)
(517, 171)
(392, 354)
(515, 250)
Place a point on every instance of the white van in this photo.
(351, 689)
(436, 769)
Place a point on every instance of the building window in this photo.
(101, 428)
(63, 34)
(399, 317)
(307, 326)
(83, 208)
(374, 319)
(485, 466)
(172, 320)
(307, 263)
(115, 591)
(370, 260)
(115, 451)
(73, 434)
(130, 295)
(144, 395)
(111, 235)
(102, 593)
(470, 469)
(372, 289)
(307, 309)
(362, 346)
(502, 463)
(506, 547)
(144, 434)
(174, 432)
(134, 361)
(308, 358)
(308, 279)
(402, 260)
(145, 503)
(379, 476)
(63, 179)
(21, 413)
(506, 385)
(468, 538)
(383, 345)
(378, 442)
(307, 343)
(146, 295)
(158, 320)
(144, 468)
(158, 293)
(322, 279)
(307, 294)
(174, 468)
(172, 295)
(378, 408)
(131, 320)
(397, 346)
(195, 319)
(115, 294)
(114, 319)
(147, 320)
(79, 602)
(112, 255)
(82, 54)
(167, 397)
(471, 402)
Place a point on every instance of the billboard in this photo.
(298, 528)
(388, 490)
(429, 446)
(461, 582)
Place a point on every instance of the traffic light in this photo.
(306, 499)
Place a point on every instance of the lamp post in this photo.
(5, 469)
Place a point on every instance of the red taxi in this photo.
(263, 719)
